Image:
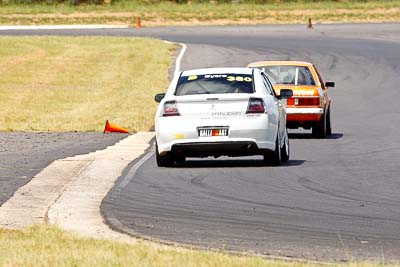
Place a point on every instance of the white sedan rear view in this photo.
(221, 112)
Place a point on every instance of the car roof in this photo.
(217, 71)
(274, 63)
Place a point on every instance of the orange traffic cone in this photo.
(112, 128)
(309, 24)
(138, 23)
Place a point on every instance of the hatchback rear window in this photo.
(228, 83)
(296, 75)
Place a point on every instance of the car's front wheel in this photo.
(164, 161)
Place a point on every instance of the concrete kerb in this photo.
(30, 203)
(78, 208)
(69, 191)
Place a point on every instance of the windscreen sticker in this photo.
(238, 79)
(214, 76)
(229, 78)
(192, 77)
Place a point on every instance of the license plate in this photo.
(208, 132)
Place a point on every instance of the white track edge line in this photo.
(179, 57)
(128, 177)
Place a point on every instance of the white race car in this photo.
(221, 112)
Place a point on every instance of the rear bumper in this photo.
(216, 149)
(304, 114)
(216, 146)
(316, 111)
(180, 132)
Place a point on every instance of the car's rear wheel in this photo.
(319, 129)
(273, 158)
(328, 122)
(285, 150)
(164, 161)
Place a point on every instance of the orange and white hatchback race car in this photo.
(310, 106)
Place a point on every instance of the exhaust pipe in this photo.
(250, 147)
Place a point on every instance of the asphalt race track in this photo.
(336, 199)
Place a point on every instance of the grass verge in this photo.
(76, 83)
(42, 245)
(170, 13)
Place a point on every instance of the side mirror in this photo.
(330, 84)
(159, 97)
(285, 93)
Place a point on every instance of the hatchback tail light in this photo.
(304, 101)
(305, 93)
(170, 109)
(309, 101)
(256, 105)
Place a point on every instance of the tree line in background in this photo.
(105, 2)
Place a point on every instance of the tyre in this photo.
(273, 158)
(285, 150)
(164, 161)
(328, 122)
(319, 129)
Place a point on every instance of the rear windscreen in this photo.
(296, 75)
(215, 84)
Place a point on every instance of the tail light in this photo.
(305, 98)
(303, 93)
(309, 101)
(256, 105)
(304, 101)
(170, 109)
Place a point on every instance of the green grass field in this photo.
(170, 13)
(49, 246)
(77, 83)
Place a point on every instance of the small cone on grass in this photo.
(309, 24)
(112, 128)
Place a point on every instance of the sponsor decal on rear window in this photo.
(214, 76)
(239, 79)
